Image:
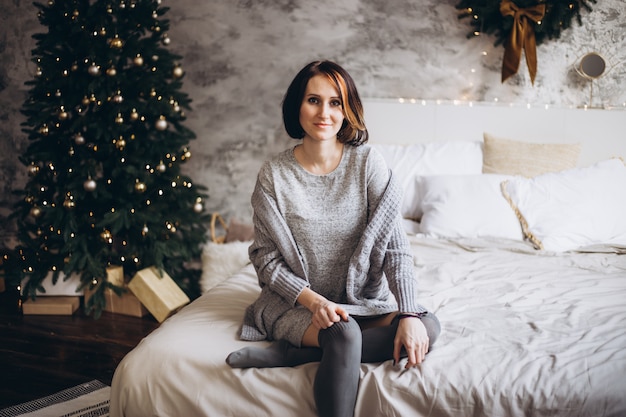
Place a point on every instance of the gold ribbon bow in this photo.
(522, 36)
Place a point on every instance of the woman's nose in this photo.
(324, 110)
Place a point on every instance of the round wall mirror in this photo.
(592, 65)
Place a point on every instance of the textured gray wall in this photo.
(240, 55)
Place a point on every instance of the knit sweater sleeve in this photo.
(273, 252)
(398, 267)
(398, 262)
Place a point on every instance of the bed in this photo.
(527, 274)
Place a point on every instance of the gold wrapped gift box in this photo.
(51, 305)
(126, 303)
(158, 292)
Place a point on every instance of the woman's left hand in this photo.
(412, 335)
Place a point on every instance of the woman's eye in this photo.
(313, 100)
(336, 103)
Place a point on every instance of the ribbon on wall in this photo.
(522, 36)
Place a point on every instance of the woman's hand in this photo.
(412, 335)
(325, 313)
(328, 313)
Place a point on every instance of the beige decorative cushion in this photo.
(510, 157)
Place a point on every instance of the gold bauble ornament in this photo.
(161, 167)
(79, 139)
(198, 207)
(140, 187)
(118, 98)
(111, 72)
(177, 72)
(44, 130)
(116, 43)
(63, 115)
(138, 60)
(161, 124)
(93, 70)
(145, 230)
(68, 203)
(33, 170)
(120, 144)
(35, 212)
(90, 185)
(134, 115)
(119, 119)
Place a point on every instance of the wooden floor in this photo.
(40, 355)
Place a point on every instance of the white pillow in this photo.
(221, 260)
(410, 162)
(571, 209)
(467, 206)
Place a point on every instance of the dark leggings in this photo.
(343, 347)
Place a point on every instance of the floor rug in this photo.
(89, 399)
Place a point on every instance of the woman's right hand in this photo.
(325, 312)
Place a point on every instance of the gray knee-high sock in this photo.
(337, 379)
(280, 353)
(378, 341)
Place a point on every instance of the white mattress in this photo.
(525, 333)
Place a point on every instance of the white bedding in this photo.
(525, 333)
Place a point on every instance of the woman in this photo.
(329, 249)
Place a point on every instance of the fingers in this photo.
(342, 313)
(420, 354)
(328, 314)
(415, 355)
(412, 359)
(397, 346)
(411, 336)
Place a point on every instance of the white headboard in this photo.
(602, 133)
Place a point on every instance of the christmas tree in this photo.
(104, 117)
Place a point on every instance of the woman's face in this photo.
(321, 111)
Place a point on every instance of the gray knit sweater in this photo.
(339, 234)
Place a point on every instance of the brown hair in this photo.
(353, 130)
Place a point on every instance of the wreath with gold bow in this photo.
(521, 24)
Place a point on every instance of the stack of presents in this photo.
(150, 291)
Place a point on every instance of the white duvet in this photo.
(525, 333)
